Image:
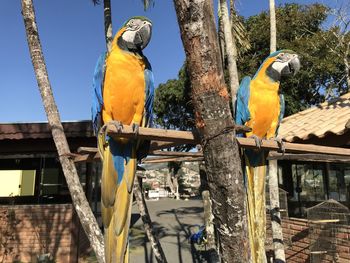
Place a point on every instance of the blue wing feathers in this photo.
(97, 97)
(282, 110)
(149, 92)
(242, 110)
(149, 97)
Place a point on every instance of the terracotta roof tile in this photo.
(325, 118)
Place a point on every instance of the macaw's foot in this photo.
(258, 141)
(103, 131)
(281, 144)
(117, 124)
(135, 128)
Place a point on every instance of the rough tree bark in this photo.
(215, 123)
(231, 51)
(80, 203)
(147, 223)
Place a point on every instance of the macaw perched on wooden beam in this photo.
(123, 92)
(260, 106)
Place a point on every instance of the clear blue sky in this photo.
(72, 37)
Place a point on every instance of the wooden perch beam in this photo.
(176, 159)
(176, 154)
(307, 157)
(272, 145)
(187, 137)
(174, 136)
(168, 138)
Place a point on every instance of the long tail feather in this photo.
(255, 178)
(118, 172)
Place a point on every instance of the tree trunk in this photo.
(231, 51)
(215, 124)
(81, 205)
(108, 23)
(277, 234)
(347, 68)
(273, 31)
(209, 226)
(147, 223)
(221, 36)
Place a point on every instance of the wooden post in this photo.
(209, 226)
(147, 222)
(88, 182)
(277, 235)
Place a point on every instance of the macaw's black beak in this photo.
(143, 35)
(293, 66)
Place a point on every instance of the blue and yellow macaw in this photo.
(260, 106)
(123, 94)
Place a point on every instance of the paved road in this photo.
(174, 221)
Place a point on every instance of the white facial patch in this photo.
(279, 66)
(129, 36)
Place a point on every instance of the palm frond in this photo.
(96, 2)
(240, 32)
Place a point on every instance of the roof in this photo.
(328, 118)
(18, 131)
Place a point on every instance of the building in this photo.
(311, 178)
(37, 217)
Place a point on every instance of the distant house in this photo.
(37, 216)
(311, 179)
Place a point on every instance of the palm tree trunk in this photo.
(231, 51)
(81, 205)
(277, 234)
(108, 23)
(273, 31)
(215, 124)
(221, 36)
(208, 220)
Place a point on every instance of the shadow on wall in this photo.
(30, 232)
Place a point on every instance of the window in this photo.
(308, 180)
(17, 183)
(339, 182)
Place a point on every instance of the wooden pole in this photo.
(147, 222)
(187, 137)
(277, 234)
(209, 227)
(176, 159)
(307, 157)
(166, 138)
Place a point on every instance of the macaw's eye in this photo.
(131, 23)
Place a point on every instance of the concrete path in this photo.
(174, 221)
